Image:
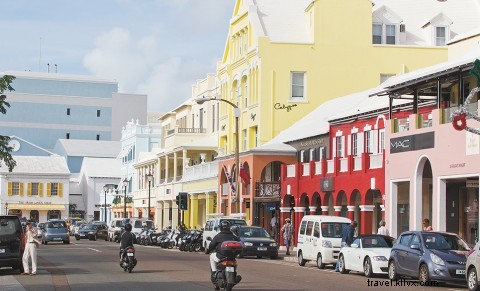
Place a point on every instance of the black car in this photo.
(12, 239)
(92, 231)
(257, 242)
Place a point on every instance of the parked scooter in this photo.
(196, 241)
(127, 259)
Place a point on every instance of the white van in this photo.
(320, 238)
(115, 227)
(212, 227)
(139, 223)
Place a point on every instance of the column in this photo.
(299, 213)
(175, 214)
(284, 214)
(184, 162)
(351, 212)
(194, 211)
(324, 209)
(166, 168)
(366, 218)
(186, 213)
(175, 166)
(313, 209)
(338, 209)
(166, 206)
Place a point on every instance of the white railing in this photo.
(343, 165)
(357, 163)
(201, 171)
(318, 168)
(290, 171)
(306, 169)
(376, 161)
(330, 166)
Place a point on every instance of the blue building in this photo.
(46, 107)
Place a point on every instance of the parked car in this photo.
(12, 242)
(92, 232)
(473, 266)
(139, 224)
(368, 254)
(77, 226)
(257, 242)
(39, 229)
(320, 238)
(212, 227)
(55, 231)
(115, 228)
(428, 255)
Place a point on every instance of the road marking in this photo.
(94, 250)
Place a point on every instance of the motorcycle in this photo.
(226, 275)
(196, 241)
(127, 259)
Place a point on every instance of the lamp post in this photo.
(6, 208)
(105, 189)
(236, 112)
(149, 178)
(125, 184)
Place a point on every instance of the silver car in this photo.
(55, 231)
(472, 268)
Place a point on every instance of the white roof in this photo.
(101, 167)
(90, 148)
(464, 14)
(56, 76)
(466, 35)
(38, 165)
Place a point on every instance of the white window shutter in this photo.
(349, 144)
(334, 147)
(372, 141)
(375, 142)
(360, 139)
(343, 146)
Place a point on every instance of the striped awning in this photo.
(36, 206)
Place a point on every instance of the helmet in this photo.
(128, 227)
(225, 225)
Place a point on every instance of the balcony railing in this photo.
(267, 189)
(291, 171)
(201, 171)
(186, 130)
(306, 169)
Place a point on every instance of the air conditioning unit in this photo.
(402, 27)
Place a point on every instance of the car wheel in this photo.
(392, 271)
(95, 237)
(341, 265)
(472, 279)
(77, 237)
(259, 257)
(274, 257)
(66, 242)
(320, 264)
(367, 268)
(423, 274)
(301, 261)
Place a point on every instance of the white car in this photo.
(368, 254)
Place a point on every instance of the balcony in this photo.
(201, 171)
(180, 135)
(267, 189)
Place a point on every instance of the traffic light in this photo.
(178, 200)
(183, 203)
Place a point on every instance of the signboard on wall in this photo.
(412, 142)
(472, 143)
(326, 184)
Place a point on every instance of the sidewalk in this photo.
(291, 258)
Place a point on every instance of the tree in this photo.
(5, 148)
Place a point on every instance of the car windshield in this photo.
(89, 227)
(79, 223)
(118, 223)
(56, 224)
(40, 225)
(440, 241)
(333, 229)
(235, 221)
(246, 232)
(9, 226)
(376, 242)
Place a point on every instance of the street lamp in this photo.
(6, 208)
(105, 189)
(149, 178)
(236, 113)
(125, 184)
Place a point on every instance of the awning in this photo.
(36, 206)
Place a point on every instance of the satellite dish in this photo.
(14, 144)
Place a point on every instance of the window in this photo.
(354, 144)
(405, 239)
(382, 141)
(313, 155)
(54, 189)
(245, 95)
(368, 140)
(35, 189)
(377, 34)
(323, 153)
(98, 137)
(68, 111)
(244, 139)
(303, 226)
(309, 228)
(339, 141)
(98, 113)
(316, 230)
(298, 85)
(67, 136)
(390, 34)
(302, 156)
(15, 188)
(440, 35)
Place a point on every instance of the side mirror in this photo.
(355, 246)
(209, 238)
(415, 247)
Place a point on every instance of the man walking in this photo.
(287, 231)
(348, 235)
(30, 252)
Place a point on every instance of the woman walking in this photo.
(30, 252)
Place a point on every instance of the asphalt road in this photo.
(93, 265)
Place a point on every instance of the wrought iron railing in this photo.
(191, 130)
(267, 189)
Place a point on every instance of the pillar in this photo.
(284, 214)
(175, 214)
(184, 162)
(351, 212)
(338, 209)
(313, 209)
(193, 210)
(324, 209)
(299, 213)
(166, 206)
(175, 165)
(166, 168)
(366, 218)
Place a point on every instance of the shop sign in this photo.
(271, 207)
(313, 142)
(412, 142)
(326, 184)
(35, 203)
(472, 183)
(472, 144)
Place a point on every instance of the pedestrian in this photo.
(274, 225)
(348, 235)
(382, 229)
(30, 252)
(426, 225)
(287, 232)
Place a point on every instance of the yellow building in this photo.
(284, 58)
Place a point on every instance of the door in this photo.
(401, 251)
(412, 257)
(350, 255)
(452, 207)
(309, 249)
(301, 237)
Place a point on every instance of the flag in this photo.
(229, 179)
(245, 177)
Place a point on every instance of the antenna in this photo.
(56, 68)
(40, 58)
(48, 67)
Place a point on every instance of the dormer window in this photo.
(377, 34)
(438, 27)
(440, 35)
(384, 34)
(391, 34)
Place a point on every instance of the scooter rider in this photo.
(126, 239)
(225, 234)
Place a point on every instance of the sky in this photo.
(154, 47)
